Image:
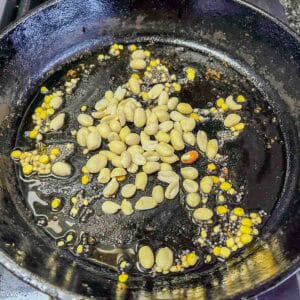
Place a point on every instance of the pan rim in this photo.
(54, 291)
(253, 7)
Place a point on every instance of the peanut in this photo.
(176, 140)
(96, 163)
(212, 148)
(203, 214)
(85, 120)
(146, 257)
(145, 203)
(141, 180)
(193, 199)
(189, 173)
(232, 120)
(172, 190)
(202, 140)
(111, 188)
(184, 108)
(117, 147)
(151, 167)
(139, 117)
(104, 175)
(62, 169)
(110, 207)
(206, 184)
(190, 186)
(128, 190)
(158, 194)
(138, 64)
(57, 122)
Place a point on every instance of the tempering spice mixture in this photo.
(145, 130)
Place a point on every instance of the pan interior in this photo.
(256, 157)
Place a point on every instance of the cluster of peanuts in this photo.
(142, 129)
(143, 126)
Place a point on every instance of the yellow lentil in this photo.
(44, 159)
(147, 53)
(245, 229)
(224, 106)
(177, 87)
(225, 186)
(69, 237)
(27, 169)
(231, 191)
(196, 117)
(230, 242)
(135, 76)
(208, 258)
(85, 179)
(115, 46)
(215, 179)
(123, 277)
(217, 251)
(74, 200)
(190, 74)
(121, 286)
(221, 210)
(33, 133)
(145, 96)
(247, 222)
(258, 220)
(246, 238)
(221, 198)
(48, 98)
(253, 215)
(173, 77)
(79, 249)
(43, 115)
(213, 110)
(60, 243)
(220, 102)
(239, 126)
(123, 264)
(38, 110)
(240, 99)
(192, 258)
(84, 169)
(238, 211)
(54, 151)
(44, 89)
(16, 154)
(203, 234)
(211, 167)
(153, 63)
(55, 203)
(50, 111)
(132, 47)
(225, 252)
(83, 108)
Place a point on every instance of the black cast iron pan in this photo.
(263, 58)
